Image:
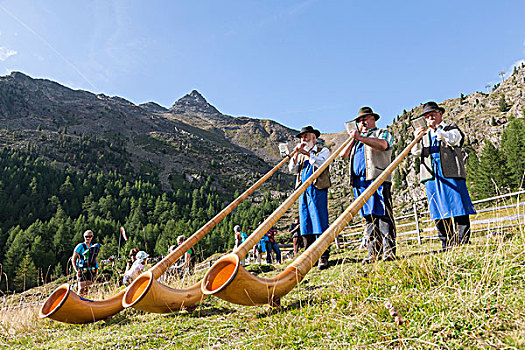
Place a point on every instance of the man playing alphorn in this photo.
(313, 203)
(370, 152)
(443, 171)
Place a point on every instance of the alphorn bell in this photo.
(229, 280)
(65, 305)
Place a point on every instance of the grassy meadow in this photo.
(469, 298)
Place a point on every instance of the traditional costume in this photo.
(443, 172)
(313, 203)
(366, 164)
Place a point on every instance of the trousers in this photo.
(453, 231)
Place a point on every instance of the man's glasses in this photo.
(88, 236)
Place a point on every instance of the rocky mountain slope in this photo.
(261, 136)
(187, 142)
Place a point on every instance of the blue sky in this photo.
(296, 62)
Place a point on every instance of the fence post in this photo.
(337, 243)
(414, 206)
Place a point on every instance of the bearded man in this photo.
(313, 203)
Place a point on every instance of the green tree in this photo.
(502, 105)
(58, 271)
(42, 254)
(26, 274)
(472, 169)
(513, 145)
(490, 177)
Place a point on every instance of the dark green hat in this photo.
(309, 128)
(430, 107)
(366, 111)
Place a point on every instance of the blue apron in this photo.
(376, 204)
(313, 206)
(447, 197)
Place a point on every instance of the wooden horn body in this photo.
(64, 305)
(148, 294)
(230, 281)
(80, 310)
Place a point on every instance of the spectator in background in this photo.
(260, 248)
(271, 244)
(136, 268)
(132, 257)
(85, 263)
(240, 237)
(295, 231)
(186, 262)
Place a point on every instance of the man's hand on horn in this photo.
(419, 130)
(354, 134)
(301, 148)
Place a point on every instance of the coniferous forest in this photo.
(44, 211)
(494, 171)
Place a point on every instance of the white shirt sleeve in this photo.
(135, 269)
(318, 160)
(451, 137)
(292, 166)
(416, 150)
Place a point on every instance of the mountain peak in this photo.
(196, 95)
(19, 75)
(195, 105)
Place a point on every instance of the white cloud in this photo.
(5, 53)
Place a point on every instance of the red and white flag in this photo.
(123, 233)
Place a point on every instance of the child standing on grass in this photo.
(136, 268)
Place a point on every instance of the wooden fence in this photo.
(414, 229)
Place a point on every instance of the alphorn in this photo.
(230, 281)
(226, 266)
(65, 305)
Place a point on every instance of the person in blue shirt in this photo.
(85, 263)
(370, 152)
(260, 248)
(240, 237)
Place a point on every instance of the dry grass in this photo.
(472, 297)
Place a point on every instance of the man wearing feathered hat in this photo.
(370, 152)
(313, 203)
(443, 171)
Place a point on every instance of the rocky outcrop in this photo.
(258, 136)
(194, 105)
